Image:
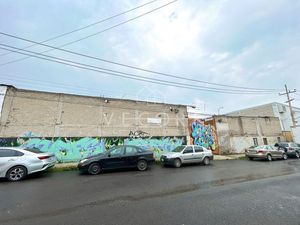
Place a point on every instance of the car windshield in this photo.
(178, 149)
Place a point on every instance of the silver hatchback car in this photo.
(16, 163)
(187, 154)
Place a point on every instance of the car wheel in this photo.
(16, 173)
(250, 158)
(269, 158)
(177, 163)
(284, 156)
(94, 168)
(297, 155)
(206, 161)
(142, 165)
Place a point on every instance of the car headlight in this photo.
(83, 160)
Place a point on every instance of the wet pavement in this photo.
(227, 192)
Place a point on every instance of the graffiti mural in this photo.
(203, 134)
(75, 149)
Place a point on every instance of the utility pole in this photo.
(289, 100)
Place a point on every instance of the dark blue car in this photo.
(125, 156)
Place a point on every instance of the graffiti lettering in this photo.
(138, 134)
(203, 135)
(75, 149)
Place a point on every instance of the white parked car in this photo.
(16, 163)
(187, 154)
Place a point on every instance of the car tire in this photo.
(269, 158)
(142, 165)
(206, 161)
(16, 173)
(297, 155)
(250, 158)
(284, 156)
(94, 168)
(177, 163)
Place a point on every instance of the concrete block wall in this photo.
(263, 110)
(63, 115)
(235, 134)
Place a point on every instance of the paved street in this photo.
(227, 192)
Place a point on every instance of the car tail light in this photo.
(43, 157)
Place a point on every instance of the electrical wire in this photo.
(120, 74)
(137, 68)
(91, 35)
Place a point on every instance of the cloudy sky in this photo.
(249, 43)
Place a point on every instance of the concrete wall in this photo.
(2, 96)
(74, 127)
(272, 110)
(61, 115)
(296, 134)
(263, 110)
(235, 134)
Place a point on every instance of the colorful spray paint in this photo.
(203, 134)
(75, 149)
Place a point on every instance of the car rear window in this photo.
(33, 150)
(198, 149)
(178, 149)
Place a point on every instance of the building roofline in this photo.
(266, 104)
(96, 97)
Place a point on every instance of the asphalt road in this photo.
(227, 192)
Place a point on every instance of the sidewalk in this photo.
(229, 157)
(73, 165)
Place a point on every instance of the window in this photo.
(260, 147)
(255, 142)
(278, 139)
(130, 150)
(178, 149)
(198, 149)
(117, 151)
(34, 150)
(265, 140)
(10, 153)
(188, 149)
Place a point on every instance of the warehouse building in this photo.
(74, 126)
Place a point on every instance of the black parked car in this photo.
(291, 149)
(125, 156)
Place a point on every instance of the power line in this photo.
(91, 35)
(132, 67)
(130, 74)
(121, 74)
(87, 26)
(58, 85)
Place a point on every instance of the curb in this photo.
(60, 167)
